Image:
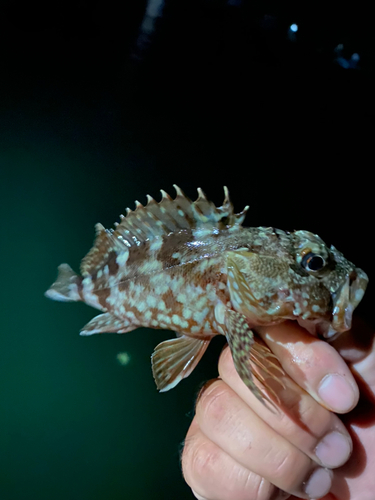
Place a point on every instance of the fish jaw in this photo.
(345, 300)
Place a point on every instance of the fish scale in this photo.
(192, 267)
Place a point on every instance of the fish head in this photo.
(301, 279)
(332, 276)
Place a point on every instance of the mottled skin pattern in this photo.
(193, 268)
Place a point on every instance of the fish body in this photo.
(193, 268)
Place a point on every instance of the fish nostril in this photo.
(352, 277)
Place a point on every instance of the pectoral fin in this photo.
(240, 269)
(251, 359)
(106, 323)
(175, 359)
(254, 282)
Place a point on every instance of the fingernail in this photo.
(334, 449)
(318, 484)
(337, 393)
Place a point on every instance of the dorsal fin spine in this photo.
(226, 196)
(179, 191)
(160, 219)
(165, 196)
(201, 195)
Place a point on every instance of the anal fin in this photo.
(173, 360)
(251, 358)
(107, 323)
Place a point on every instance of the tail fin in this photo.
(65, 288)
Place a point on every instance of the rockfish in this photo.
(193, 268)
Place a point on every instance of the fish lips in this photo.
(345, 300)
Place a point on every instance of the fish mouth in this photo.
(345, 300)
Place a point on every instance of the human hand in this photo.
(238, 449)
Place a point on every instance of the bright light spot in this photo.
(123, 358)
(293, 27)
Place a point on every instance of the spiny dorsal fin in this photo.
(158, 219)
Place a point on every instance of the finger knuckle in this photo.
(314, 416)
(258, 488)
(289, 470)
(213, 405)
(199, 461)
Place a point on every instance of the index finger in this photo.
(357, 347)
(314, 365)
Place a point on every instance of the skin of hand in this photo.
(319, 443)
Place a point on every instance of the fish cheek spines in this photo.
(311, 298)
(259, 286)
(268, 289)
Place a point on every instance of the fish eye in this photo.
(313, 262)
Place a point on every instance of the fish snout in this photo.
(358, 284)
(345, 300)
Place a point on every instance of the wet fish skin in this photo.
(192, 267)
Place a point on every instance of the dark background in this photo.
(95, 113)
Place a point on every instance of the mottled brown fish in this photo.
(192, 267)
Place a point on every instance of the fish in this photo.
(192, 267)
